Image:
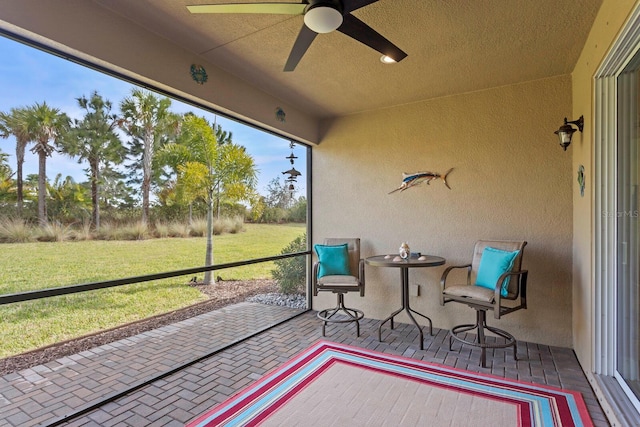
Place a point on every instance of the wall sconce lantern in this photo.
(566, 131)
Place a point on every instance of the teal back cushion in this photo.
(493, 264)
(334, 260)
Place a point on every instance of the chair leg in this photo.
(480, 341)
(352, 315)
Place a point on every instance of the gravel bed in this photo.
(287, 300)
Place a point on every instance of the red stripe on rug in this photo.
(241, 400)
(291, 393)
(246, 396)
(524, 409)
(563, 408)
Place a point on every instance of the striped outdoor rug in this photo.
(333, 384)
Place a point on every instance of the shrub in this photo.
(15, 230)
(290, 273)
(298, 212)
(273, 215)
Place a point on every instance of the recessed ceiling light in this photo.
(387, 59)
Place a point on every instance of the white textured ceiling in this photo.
(453, 46)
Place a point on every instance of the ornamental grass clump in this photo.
(235, 225)
(107, 231)
(198, 227)
(228, 225)
(136, 231)
(15, 230)
(82, 232)
(160, 230)
(55, 232)
(219, 226)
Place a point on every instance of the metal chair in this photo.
(502, 301)
(340, 285)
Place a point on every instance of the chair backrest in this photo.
(354, 251)
(504, 245)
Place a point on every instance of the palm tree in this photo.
(46, 127)
(203, 166)
(94, 139)
(235, 175)
(149, 123)
(14, 123)
(6, 182)
(222, 136)
(68, 200)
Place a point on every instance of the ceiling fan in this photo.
(320, 16)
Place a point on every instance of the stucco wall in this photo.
(511, 181)
(610, 20)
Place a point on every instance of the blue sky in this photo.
(29, 75)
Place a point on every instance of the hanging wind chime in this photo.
(293, 173)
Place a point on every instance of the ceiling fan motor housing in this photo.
(323, 16)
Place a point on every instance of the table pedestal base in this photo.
(406, 307)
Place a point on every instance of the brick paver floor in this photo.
(44, 395)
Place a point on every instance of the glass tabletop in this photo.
(396, 261)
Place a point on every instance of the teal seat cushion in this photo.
(334, 260)
(493, 264)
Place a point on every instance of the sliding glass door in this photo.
(628, 232)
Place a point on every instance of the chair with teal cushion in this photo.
(494, 281)
(339, 269)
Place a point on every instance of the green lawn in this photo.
(30, 266)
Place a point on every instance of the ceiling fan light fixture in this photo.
(387, 59)
(323, 19)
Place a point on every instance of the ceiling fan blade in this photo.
(304, 40)
(351, 5)
(269, 8)
(358, 30)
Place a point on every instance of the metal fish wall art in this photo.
(412, 179)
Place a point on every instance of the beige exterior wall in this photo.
(511, 181)
(610, 20)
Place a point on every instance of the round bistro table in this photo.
(404, 266)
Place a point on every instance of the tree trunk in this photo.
(208, 258)
(147, 157)
(42, 188)
(95, 200)
(19, 181)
